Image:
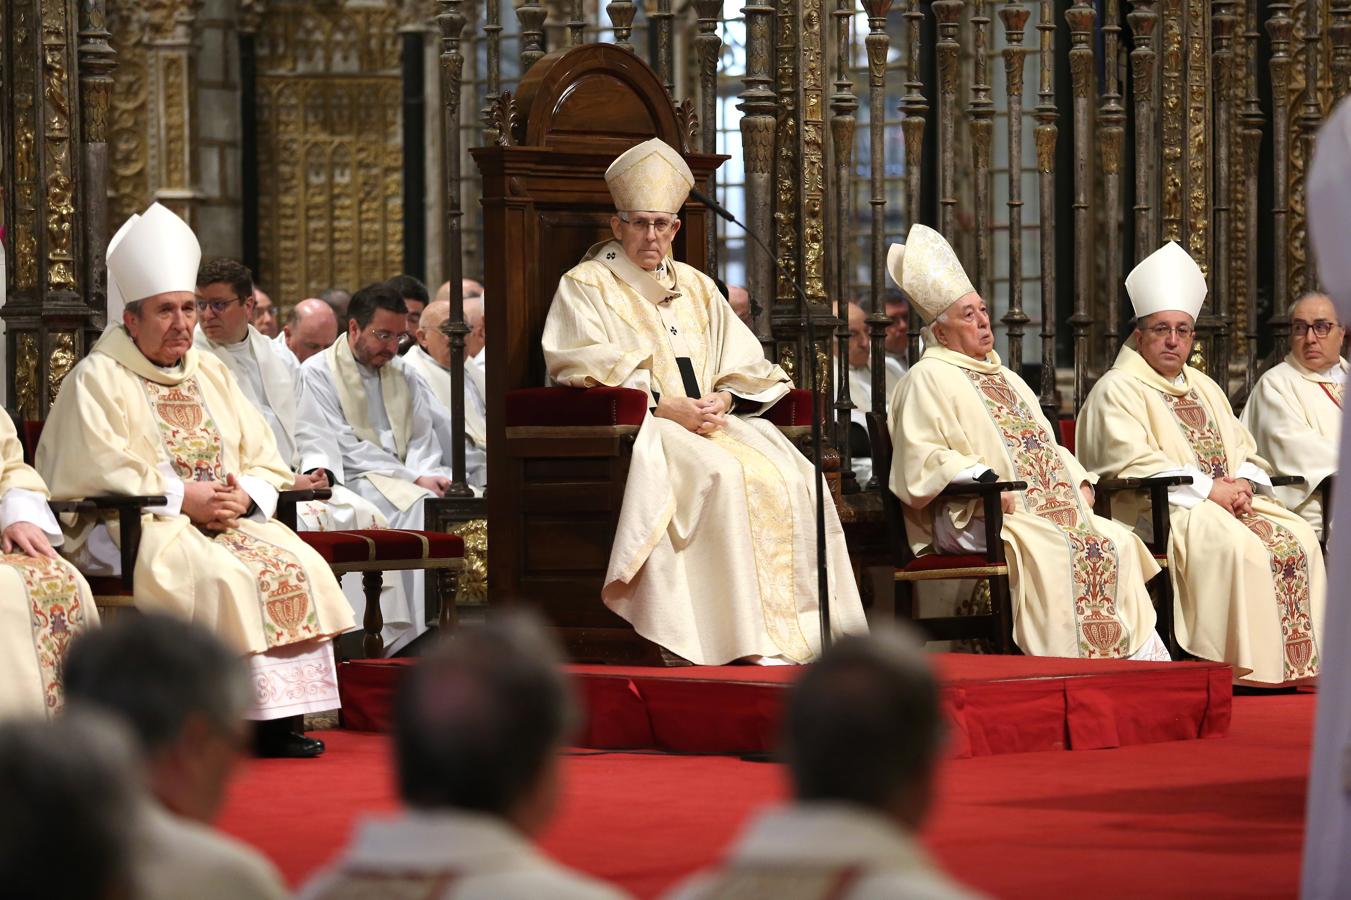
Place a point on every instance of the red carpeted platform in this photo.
(995, 704)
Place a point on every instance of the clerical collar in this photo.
(172, 370)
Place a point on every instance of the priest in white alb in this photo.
(1077, 580)
(311, 327)
(224, 288)
(44, 602)
(368, 420)
(430, 356)
(1247, 574)
(145, 413)
(714, 556)
(1295, 409)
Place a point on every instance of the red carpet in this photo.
(994, 704)
(1213, 818)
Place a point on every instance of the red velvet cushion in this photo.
(555, 406)
(1067, 434)
(933, 562)
(337, 546)
(793, 409)
(389, 545)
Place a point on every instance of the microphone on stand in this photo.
(809, 326)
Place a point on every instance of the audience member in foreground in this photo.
(67, 789)
(1295, 411)
(862, 736)
(183, 693)
(477, 732)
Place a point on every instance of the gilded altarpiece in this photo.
(330, 150)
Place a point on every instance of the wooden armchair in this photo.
(559, 457)
(995, 626)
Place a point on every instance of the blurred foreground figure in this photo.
(68, 788)
(477, 731)
(862, 735)
(183, 694)
(1327, 864)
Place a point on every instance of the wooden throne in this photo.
(558, 457)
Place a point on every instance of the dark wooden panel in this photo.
(567, 471)
(566, 543)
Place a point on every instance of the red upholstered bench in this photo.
(565, 407)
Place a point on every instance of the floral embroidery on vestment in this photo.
(193, 443)
(1334, 392)
(1052, 496)
(56, 610)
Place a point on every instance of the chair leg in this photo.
(1164, 613)
(1001, 607)
(447, 584)
(373, 623)
(905, 601)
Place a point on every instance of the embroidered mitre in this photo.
(152, 253)
(651, 176)
(1167, 279)
(927, 268)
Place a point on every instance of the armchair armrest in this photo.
(1157, 487)
(287, 500)
(1286, 480)
(990, 493)
(128, 508)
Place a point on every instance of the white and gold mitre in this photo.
(651, 176)
(152, 253)
(1167, 279)
(927, 269)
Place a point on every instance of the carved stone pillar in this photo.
(757, 136)
(47, 312)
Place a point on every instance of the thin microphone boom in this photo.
(809, 326)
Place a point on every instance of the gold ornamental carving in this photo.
(1198, 146)
(26, 376)
(25, 150)
(330, 147)
(129, 134)
(473, 580)
(61, 360)
(175, 152)
(1173, 129)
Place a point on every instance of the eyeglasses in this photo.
(1184, 332)
(217, 306)
(663, 227)
(1322, 328)
(385, 337)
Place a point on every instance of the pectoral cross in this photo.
(673, 330)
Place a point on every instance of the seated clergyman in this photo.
(44, 602)
(1295, 410)
(714, 555)
(1078, 580)
(146, 413)
(1248, 579)
(430, 356)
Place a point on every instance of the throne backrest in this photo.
(544, 196)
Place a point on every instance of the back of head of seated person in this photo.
(68, 787)
(183, 694)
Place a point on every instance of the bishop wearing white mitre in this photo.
(1247, 574)
(1295, 409)
(1077, 580)
(714, 557)
(147, 413)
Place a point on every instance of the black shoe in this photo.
(276, 740)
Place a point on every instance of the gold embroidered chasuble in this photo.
(1247, 591)
(122, 425)
(714, 554)
(44, 604)
(1078, 580)
(1295, 417)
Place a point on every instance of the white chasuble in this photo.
(122, 425)
(1247, 590)
(714, 555)
(44, 603)
(1077, 580)
(1295, 416)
